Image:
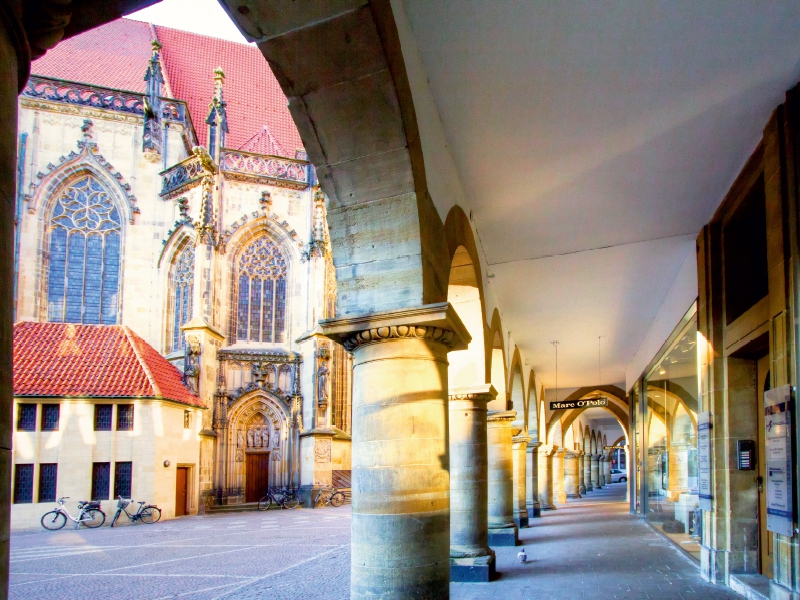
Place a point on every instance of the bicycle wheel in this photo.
(150, 514)
(265, 503)
(54, 520)
(290, 500)
(337, 499)
(93, 518)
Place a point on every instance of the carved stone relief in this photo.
(322, 450)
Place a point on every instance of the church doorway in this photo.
(181, 491)
(256, 476)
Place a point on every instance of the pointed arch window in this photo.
(181, 282)
(261, 293)
(84, 249)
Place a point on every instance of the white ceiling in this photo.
(583, 125)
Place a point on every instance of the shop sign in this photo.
(613, 447)
(778, 442)
(704, 459)
(585, 403)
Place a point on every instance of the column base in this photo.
(560, 498)
(535, 511)
(573, 495)
(589, 488)
(476, 569)
(582, 489)
(548, 507)
(506, 536)
(522, 519)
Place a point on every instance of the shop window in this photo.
(101, 480)
(103, 417)
(26, 417)
(745, 254)
(48, 478)
(261, 293)
(125, 417)
(181, 283)
(84, 264)
(50, 416)
(123, 475)
(23, 484)
(670, 456)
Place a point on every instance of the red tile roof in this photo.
(115, 55)
(263, 143)
(92, 361)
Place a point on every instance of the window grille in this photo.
(125, 417)
(26, 417)
(84, 268)
(101, 484)
(23, 484)
(261, 294)
(181, 292)
(48, 478)
(50, 415)
(123, 475)
(103, 417)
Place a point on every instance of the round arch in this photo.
(516, 392)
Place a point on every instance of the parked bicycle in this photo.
(283, 497)
(90, 515)
(330, 496)
(147, 513)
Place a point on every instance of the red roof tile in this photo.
(115, 55)
(92, 361)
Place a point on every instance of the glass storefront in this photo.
(668, 436)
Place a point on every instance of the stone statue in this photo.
(249, 438)
(265, 437)
(322, 385)
(239, 439)
(191, 365)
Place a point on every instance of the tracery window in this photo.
(84, 267)
(261, 293)
(181, 283)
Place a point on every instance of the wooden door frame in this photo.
(191, 508)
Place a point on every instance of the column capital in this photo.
(570, 454)
(521, 438)
(434, 322)
(534, 445)
(502, 416)
(474, 393)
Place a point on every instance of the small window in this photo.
(123, 474)
(50, 415)
(102, 417)
(187, 419)
(23, 484)
(26, 417)
(125, 417)
(48, 477)
(101, 480)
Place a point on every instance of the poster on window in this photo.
(778, 447)
(704, 459)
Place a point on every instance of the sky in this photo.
(205, 17)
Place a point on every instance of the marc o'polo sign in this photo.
(584, 403)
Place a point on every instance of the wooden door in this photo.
(256, 480)
(181, 491)
(764, 536)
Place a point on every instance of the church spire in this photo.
(217, 120)
(154, 76)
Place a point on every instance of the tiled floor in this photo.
(591, 548)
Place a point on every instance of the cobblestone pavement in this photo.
(589, 549)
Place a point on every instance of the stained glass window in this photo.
(83, 278)
(181, 291)
(23, 484)
(125, 417)
(261, 297)
(26, 417)
(48, 477)
(102, 417)
(123, 475)
(101, 480)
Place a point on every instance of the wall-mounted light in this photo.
(167, 463)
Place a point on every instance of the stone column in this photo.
(401, 484)
(581, 475)
(532, 487)
(587, 471)
(471, 559)
(628, 483)
(559, 495)
(546, 478)
(607, 469)
(519, 450)
(502, 528)
(596, 471)
(571, 477)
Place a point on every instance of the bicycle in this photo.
(334, 498)
(91, 516)
(147, 513)
(287, 498)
